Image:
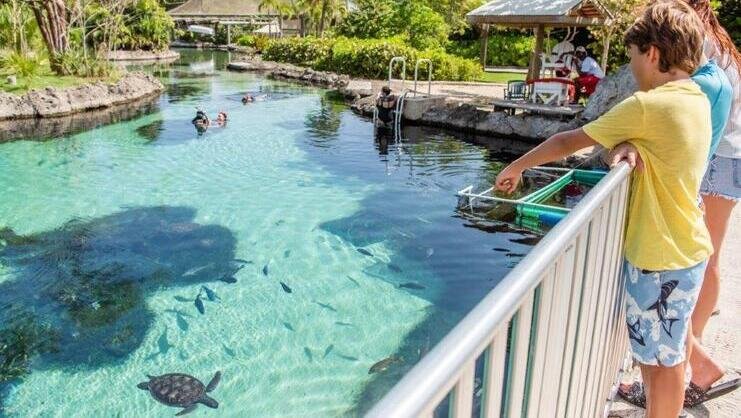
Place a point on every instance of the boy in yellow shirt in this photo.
(667, 244)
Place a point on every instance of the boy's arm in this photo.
(554, 148)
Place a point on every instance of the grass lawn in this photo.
(47, 79)
(500, 77)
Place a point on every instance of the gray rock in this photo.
(139, 55)
(610, 91)
(52, 102)
(293, 72)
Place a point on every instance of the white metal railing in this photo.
(403, 69)
(552, 332)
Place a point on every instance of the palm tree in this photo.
(273, 6)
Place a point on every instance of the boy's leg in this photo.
(664, 390)
(705, 371)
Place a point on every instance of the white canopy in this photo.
(204, 30)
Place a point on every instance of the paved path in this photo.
(723, 333)
(480, 93)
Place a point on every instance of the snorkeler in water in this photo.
(221, 119)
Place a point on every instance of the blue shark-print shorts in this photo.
(659, 307)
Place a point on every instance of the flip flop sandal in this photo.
(634, 394)
(694, 396)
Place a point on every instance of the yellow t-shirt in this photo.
(670, 126)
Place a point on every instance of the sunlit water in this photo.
(112, 232)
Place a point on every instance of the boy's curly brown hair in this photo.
(674, 29)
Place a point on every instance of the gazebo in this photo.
(538, 15)
(232, 12)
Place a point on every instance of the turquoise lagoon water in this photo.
(111, 233)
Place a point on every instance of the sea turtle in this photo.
(181, 390)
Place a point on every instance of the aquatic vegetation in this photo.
(151, 130)
(20, 341)
(87, 282)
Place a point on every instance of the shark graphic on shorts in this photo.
(661, 306)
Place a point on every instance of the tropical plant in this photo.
(52, 18)
(513, 48)
(371, 19)
(425, 28)
(607, 37)
(729, 15)
(18, 29)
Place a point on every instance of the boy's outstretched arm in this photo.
(554, 148)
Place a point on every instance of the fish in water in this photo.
(182, 323)
(394, 268)
(412, 285)
(326, 306)
(279, 222)
(423, 220)
(210, 294)
(287, 253)
(430, 251)
(346, 357)
(236, 269)
(163, 345)
(353, 280)
(199, 304)
(661, 306)
(307, 353)
(501, 250)
(286, 288)
(328, 350)
(228, 279)
(265, 270)
(243, 261)
(365, 252)
(288, 326)
(196, 270)
(343, 324)
(514, 255)
(181, 299)
(384, 364)
(229, 351)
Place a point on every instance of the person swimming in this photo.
(248, 98)
(201, 118)
(221, 119)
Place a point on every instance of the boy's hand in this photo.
(626, 152)
(508, 179)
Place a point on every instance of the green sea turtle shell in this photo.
(176, 389)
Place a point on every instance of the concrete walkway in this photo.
(722, 335)
(479, 93)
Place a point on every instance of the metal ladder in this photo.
(399, 110)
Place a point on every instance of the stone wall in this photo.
(53, 102)
(138, 55)
(293, 72)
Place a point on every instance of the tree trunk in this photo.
(51, 16)
(322, 17)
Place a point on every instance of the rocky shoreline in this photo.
(138, 55)
(54, 102)
(454, 114)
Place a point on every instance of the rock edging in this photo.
(52, 102)
(293, 72)
(140, 55)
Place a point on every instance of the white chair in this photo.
(554, 92)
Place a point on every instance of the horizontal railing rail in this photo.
(551, 332)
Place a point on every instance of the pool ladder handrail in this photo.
(429, 75)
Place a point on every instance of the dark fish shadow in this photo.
(77, 297)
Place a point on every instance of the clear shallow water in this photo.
(112, 232)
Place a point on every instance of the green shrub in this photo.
(367, 57)
(504, 49)
(22, 65)
(426, 29)
(259, 42)
(372, 19)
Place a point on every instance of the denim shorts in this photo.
(659, 308)
(723, 178)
